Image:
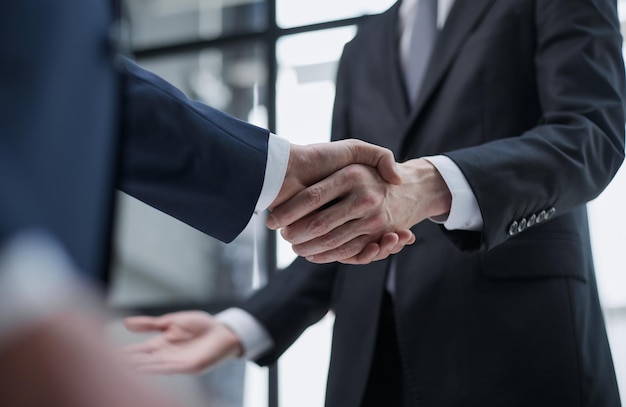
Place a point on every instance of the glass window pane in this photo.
(232, 79)
(307, 65)
(161, 260)
(161, 22)
(292, 13)
(303, 368)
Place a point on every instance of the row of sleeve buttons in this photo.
(535, 219)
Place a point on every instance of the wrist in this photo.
(431, 187)
(231, 344)
(293, 180)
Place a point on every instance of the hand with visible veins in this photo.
(313, 163)
(365, 208)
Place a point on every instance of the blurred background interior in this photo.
(272, 63)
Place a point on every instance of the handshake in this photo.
(349, 201)
(346, 201)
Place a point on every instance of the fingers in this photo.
(160, 364)
(345, 251)
(344, 239)
(374, 251)
(347, 216)
(405, 238)
(160, 356)
(390, 243)
(310, 164)
(147, 347)
(337, 225)
(144, 324)
(312, 199)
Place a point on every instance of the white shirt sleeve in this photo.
(464, 211)
(275, 170)
(254, 338)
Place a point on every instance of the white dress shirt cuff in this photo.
(253, 336)
(275, 170)
(464, 211)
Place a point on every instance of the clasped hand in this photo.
(349, 201)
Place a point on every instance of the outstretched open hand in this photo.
(187, 342)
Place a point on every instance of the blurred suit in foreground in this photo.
(65, 98)
(61, 99)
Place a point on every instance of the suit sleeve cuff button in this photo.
(541, 217)
(522, 225)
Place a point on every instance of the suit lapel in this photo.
(464, 17)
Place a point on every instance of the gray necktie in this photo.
(415, 64)
(421, 46)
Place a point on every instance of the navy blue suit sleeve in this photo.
(188, 160)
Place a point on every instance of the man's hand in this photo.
(337, 217)
(311, 164)
(188, 342)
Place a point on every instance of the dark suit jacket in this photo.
(63, 104)
(527, 98)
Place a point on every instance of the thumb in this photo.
(387, 168)
(379, 157)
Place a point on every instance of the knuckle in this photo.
(367, 200)
(378, 222)
(347, 250)
(353, 173)
(287, 234)
(313, 196)
(300, 250)
(319, 226)
(330, 241)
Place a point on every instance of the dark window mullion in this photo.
(269, 35)
(272, 36)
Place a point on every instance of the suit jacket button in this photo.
(513, 228)
(522, 225)
(531, 221)
(541, 217)
(550, 213)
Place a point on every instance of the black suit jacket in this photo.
(63, 104)
(527, 98)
